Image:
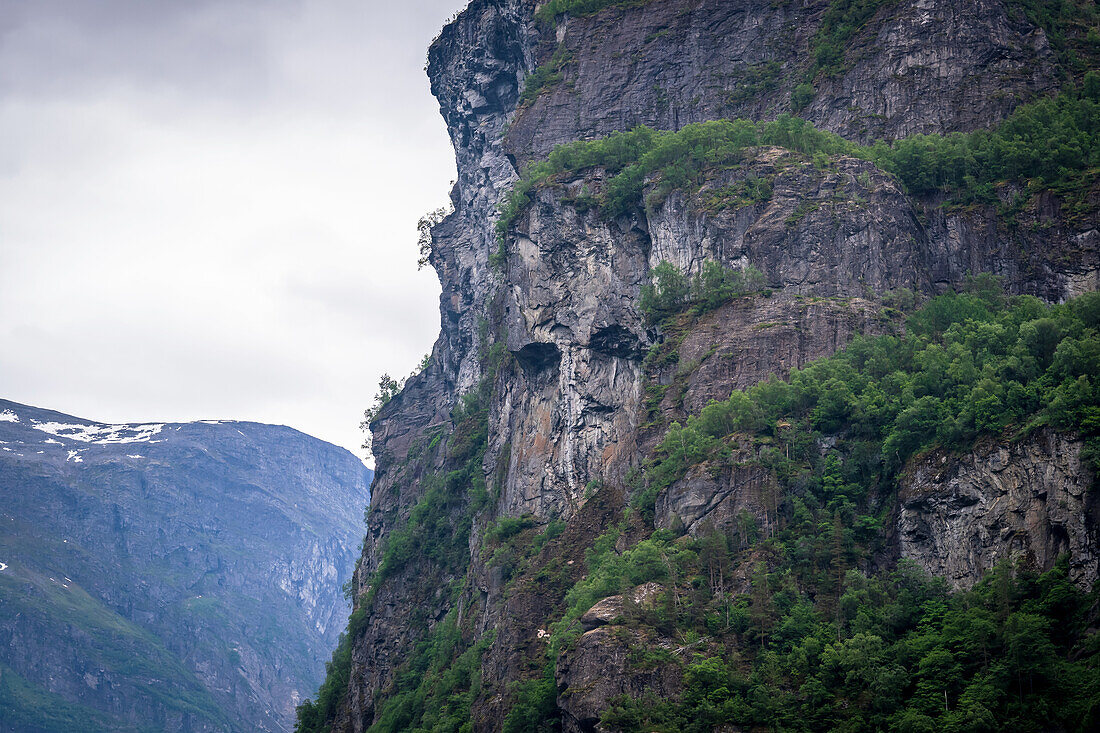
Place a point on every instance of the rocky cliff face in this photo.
(181, 577)
(960, 516)
(917, 66)
(545, 330)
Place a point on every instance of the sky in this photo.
(208, 208)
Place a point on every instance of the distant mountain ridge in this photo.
(168, 576)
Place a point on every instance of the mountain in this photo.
(168, 576)
(765, 389)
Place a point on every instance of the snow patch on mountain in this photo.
(101, 434)
(8, 416)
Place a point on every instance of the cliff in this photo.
(504, 467)
(170, 577)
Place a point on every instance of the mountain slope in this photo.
(168, 576)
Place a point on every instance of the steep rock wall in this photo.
(917, 66)
(1029, 501)
(476, 66)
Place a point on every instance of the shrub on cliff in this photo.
(551, 10)
(970, 364)
(667, 294)
(671, 291)
(1052, 143)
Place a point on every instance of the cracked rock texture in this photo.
(918, 66)
(1032, 500)
(601, 668)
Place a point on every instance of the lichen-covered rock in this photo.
(1032, 500)
(1041, 251)
(937, 67)
(751, 339)
(722, 498)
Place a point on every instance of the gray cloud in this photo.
(207, 209)
(76, 47)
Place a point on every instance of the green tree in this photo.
(667, 294)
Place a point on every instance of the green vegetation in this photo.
(657, 558)
(839, 24)
(433, 536)
(969, 364)
(424, 233)
(750, 191)
(27, 706)
(801, 95)
(433, 691)
(317, 715)
(512, 543)
(388, 388)
(551, 10)
(1071, 28)
(675, 159)
(546, 75)
(535, 707)
(839, 651)
(844, 651)
(131, 654)
(817, 643)
(1053, 144)
(431, 532)
(892, 653)
(433, 688)
(507, 527)
(754, 80)
(672, 292)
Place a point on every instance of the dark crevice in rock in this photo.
(539, 357)
(615, 340)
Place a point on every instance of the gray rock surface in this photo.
(601, 668)
(613, 609)
(918, 66)
(1029, 501)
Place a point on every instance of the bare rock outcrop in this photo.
(612, 609)
(1032, 500)
(917, 66)
(607, 662)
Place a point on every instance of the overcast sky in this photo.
(208, 207)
